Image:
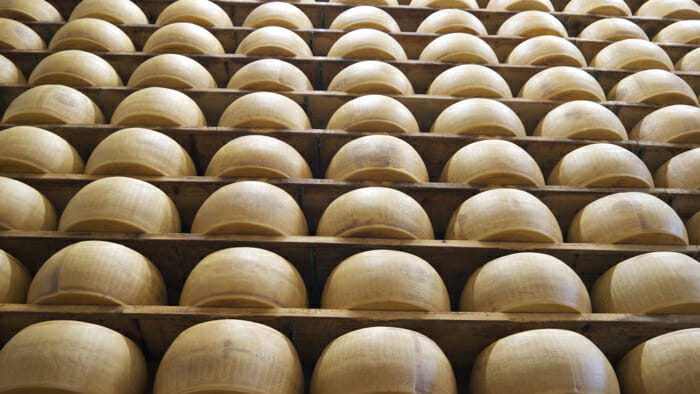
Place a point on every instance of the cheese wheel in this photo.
(27, 149)
(525, 282)
(97, 273)
(562, 83)
(113, 11)
(74, 68)
(451, 20)
(394, 3)
(156, 106)
(520, 5)
(66, 356)
(244, 277)
(367, 44)
(14, 280)
(531, 24)
(680, 171)
(233, 356)
(508, 215)
(17, 35)
(673, 124)
(675, 9)
(383, 360)
(23, 208)
(633, 54)
(371, 76)
(470, 80)
(493, 162)
(10, 74)
(53, 104)
(365, 17)
(171, 71)
(628, 218)
(612, 29)
(377, 158)
(546, 51)
(375, 113)
(544, 360)
(250, 207)
(657, 282)
(681, 32)
(601, 165)
(265, 110)
(30, 10)
(200, 12)
(120, 204)
(136, 151)
(464, 4)
(598, 7)
(273, 41)
(460, 48)
(385, 280)
(92, 35)
(664, 364)
(479, 116)
(183, 38)
(693, 226)
(690, 62)
(653, 87)
(581, 119)
(258, 156)
(375, 212)
(269, 75)
(278, 13)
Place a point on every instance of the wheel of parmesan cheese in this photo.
(690, 62)
(546, 51)
(14, 280)
(681, 32)
(375, 113)
(369, 44)
(612, 29)
(673, 124)
(531, 24)
(452, 20)
(200, 12)
(113, 11)
(562, 83)
(74, 68)
(265, 110)
(17, 35)
(581, 119)
(633, 54)
(23, 208)
(693, 226)
(376, 3)
(460, 48)
(674, 9)
(598, 7)
(269, 75)
(470, 80)
(278, 13)
(171, 71)
(273, 41)
(30, 10)
(10, 74)
(520, 5)
(365, 17)
(92, 35)
(479, 116)
(680, 171)
(653, 87)
(371, 76)
(183, 38)
(53, 104)
(156, 106)
(27, 149)
(463, 4)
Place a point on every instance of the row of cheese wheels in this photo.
(121, 204)
(241, 356)
(144, 152)
(107, 273)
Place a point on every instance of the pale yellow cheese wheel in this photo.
(120, 204)
(581, 119)
(601, 165)
(667, 363)
(470, 80)
(562, 83)
(628, 218)
(613, 29)
(67, 356)
(690, 62)
(53, 104)
(250, 207)
(242, 278)
(464, 4)
(599, 7)
(27, 149)
(378, 3)
(681, 32)
(14, 280)
(680, 171)
(74, 68)
(371, 76)
(10, 74)
(183, 38)
(113, 11)
(673, 124)
(693, 226)
(200, 12)
(460, 48)
(452, 20)
(365, 17)
(525, 282)
(137, 151)
(633, 54)
(278, 13)
(520, 5)
(97, 273)
(657, 282)
(156, 106)
(269, 75)
(17, 35)
(265, 110)
(258, 156)
(171, 71)
(375, 113)
(273, 41)
(543, 361)
(385, 280)
(92, 35)
(30, 10)
(23, 208)
(653, 87)
(675, 9)
(493, 162)
(375, 212)
(377, 158)
(383, 360)
(546, 51)
(230, 356)
(532, 23)
(367, 44)
(509, 215)
(479, 116)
